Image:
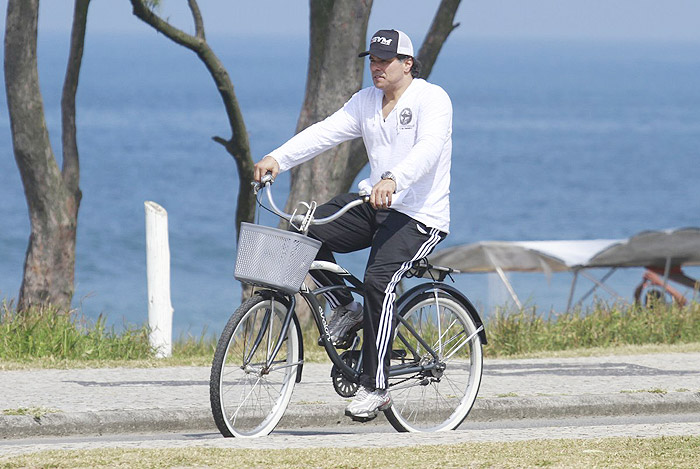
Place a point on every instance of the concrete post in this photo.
(160, 310)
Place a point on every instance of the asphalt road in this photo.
(380, 434)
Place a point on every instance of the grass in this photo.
(663, 452)
(605, 326)
(47, 338)
(36, 412)
(45, 332)
(651, 391)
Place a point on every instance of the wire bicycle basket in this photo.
(274, 258)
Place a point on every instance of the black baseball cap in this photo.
(388, 43)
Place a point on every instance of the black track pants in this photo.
(397, 241)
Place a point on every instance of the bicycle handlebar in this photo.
(296, 220)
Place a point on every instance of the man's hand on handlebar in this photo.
(267, 165)
(382, 193)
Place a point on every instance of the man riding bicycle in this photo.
(406, 125)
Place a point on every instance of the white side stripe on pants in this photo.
(332, 300)
(384, 332)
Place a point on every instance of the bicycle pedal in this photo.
(346, 342)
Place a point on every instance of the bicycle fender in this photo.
(288, 302)
(418, 290)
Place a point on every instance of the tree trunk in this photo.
(52, 197)
(338, 31)
(237, 145)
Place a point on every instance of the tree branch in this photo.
(238, 145)
(71, 162)
(145, 14)
(441, 27)
(197, 16)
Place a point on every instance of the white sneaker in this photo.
(367, 404)
(345, 320)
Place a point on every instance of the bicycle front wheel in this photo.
(441, 398)
(249, 388)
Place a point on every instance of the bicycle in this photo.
(436, 358)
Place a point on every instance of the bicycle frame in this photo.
(319, 317)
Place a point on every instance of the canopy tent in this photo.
(664, 249)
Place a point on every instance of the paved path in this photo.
(122, 400)
(359, 436)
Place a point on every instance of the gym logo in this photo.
(382, 40)
(405, 116)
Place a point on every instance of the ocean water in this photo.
(552, 140)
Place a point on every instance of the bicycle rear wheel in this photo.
(439, 399)
(249, 392)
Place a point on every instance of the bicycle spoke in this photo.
(452, 341)
(286, 365)
(466, 341)
(451, 383)
(243, 401)
(440, 337)
(270, 394)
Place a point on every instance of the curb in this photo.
(586, 405)
(112, 421)
(327, 415)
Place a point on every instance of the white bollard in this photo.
(160, 309)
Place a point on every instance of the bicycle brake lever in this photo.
(264, 181)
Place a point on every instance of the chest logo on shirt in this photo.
(405, 116)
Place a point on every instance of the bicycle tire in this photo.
(442, 400)
(248, 399)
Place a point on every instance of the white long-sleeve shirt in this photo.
(414, 142)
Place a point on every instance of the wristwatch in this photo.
(388, 175)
